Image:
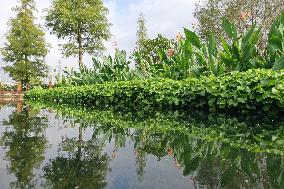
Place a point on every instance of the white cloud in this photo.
(166, 17)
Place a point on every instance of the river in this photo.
(69, 148)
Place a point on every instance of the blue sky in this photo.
(167, 17)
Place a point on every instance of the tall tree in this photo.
(83, 22)
(141, 31)
(243, 13)
(26, 47)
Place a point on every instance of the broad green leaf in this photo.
(230, 29)
(192, 37)
(279, 64)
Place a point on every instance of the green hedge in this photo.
(253, 89)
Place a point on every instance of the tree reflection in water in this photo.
(80, 164)
(216, 165)
(25, 138)
(209, 164)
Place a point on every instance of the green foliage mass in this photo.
(191, 57)
(25, 48)
(82, 22)
(251, 90)
(275, 47)
(238, 51)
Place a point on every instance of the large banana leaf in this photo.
(230, 29)
(276, 44)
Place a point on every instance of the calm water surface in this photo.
(42, 148)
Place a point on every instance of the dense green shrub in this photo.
(253, 89)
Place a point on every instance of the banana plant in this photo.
(190, 57)
(114, 69)
(240, 52)
(104, 70)
(205, 55)
(275, 45)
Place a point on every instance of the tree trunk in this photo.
(49, 85)
(81, 51)
(19, 87)
(27, 86)
(19, 105)
(80, 143)
(81, 57)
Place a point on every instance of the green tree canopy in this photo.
(82, 22)
(150, 50)
(25, 48)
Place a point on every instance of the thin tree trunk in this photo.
(80, 143)
(49, 85)
(27, 86)
(80, 50)
(81, 57)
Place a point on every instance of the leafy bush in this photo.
(240, 52)
(254, 89)
(149, 49)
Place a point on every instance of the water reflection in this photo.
(79, 164)
(24, 136)
(211, 164)
(104, 149)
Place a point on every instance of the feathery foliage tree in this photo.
(26, 47)
(141, 31)
(83, 22)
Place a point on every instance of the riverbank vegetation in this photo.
(230, 74)
(217, 71)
